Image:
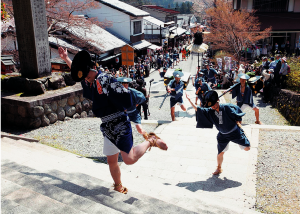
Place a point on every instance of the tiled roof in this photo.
(125, 8)
(162, 9)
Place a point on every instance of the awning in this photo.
(177, 31)
(155, 47)
(8, 62)
(141, 45)
(110, 57)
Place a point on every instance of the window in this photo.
(271, 5)
(137, 27)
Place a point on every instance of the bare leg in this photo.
(256, 110)
(196, 100)
(139, 128)
(183, 108)
(138, 151)
(173, 113)
(114, 168)
(220, 161)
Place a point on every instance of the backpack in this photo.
(289, 69)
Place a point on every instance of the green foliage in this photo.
(4, 14)
(293, 79)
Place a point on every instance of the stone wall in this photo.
(46, 109)
(288, 103)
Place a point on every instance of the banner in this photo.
(219, 61)
(227, 63)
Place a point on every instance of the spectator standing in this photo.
(282, 47)
(297, 48)
(287, 48)
(142, 89)
(277, 69)
(257, 53)
(283, 72)
(276, 48)
(264, 51)
(272, 63)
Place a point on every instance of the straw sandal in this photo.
(218, 171)
(151, 139)
(123, 190)
(258, 122)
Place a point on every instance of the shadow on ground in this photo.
(212, 184)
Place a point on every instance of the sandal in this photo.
(152, 138)
(218, 171)
(123, 190)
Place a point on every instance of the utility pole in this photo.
(160, 36)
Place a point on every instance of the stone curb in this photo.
(18, 137)
(156, 122)
(271, 127)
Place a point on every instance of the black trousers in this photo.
(145, 109)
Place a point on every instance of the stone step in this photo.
(83, 190)
(71, 174)
(40, 178)
(52, 187)
(9, 207)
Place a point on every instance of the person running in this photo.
(201, 89)
(227, 118)
(110, 100)
(175, 88)
(244, 97)
(137, 99)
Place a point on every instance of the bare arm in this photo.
(63, 53)
(187, 96)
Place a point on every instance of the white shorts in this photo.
(244, 106)
(109, 148)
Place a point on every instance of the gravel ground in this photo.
(164, 114)
(278, 172)
(267, 114)
(79, 136)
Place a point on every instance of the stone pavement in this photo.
(39, 179)
(183, 174)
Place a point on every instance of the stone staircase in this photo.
(39, 179)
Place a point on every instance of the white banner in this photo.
(219, 61)
(227, 63)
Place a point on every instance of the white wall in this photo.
(54, 54)
(120, 21)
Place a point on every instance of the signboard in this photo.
(127, 55)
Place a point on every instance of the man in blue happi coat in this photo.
(227, 119)
(137, 99)
(201, 88)
(244, 97)
(110, 100)
(175, 88)
(210, 75)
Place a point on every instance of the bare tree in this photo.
(232, 30)
(199, 7)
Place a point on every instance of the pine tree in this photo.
(183, 8)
